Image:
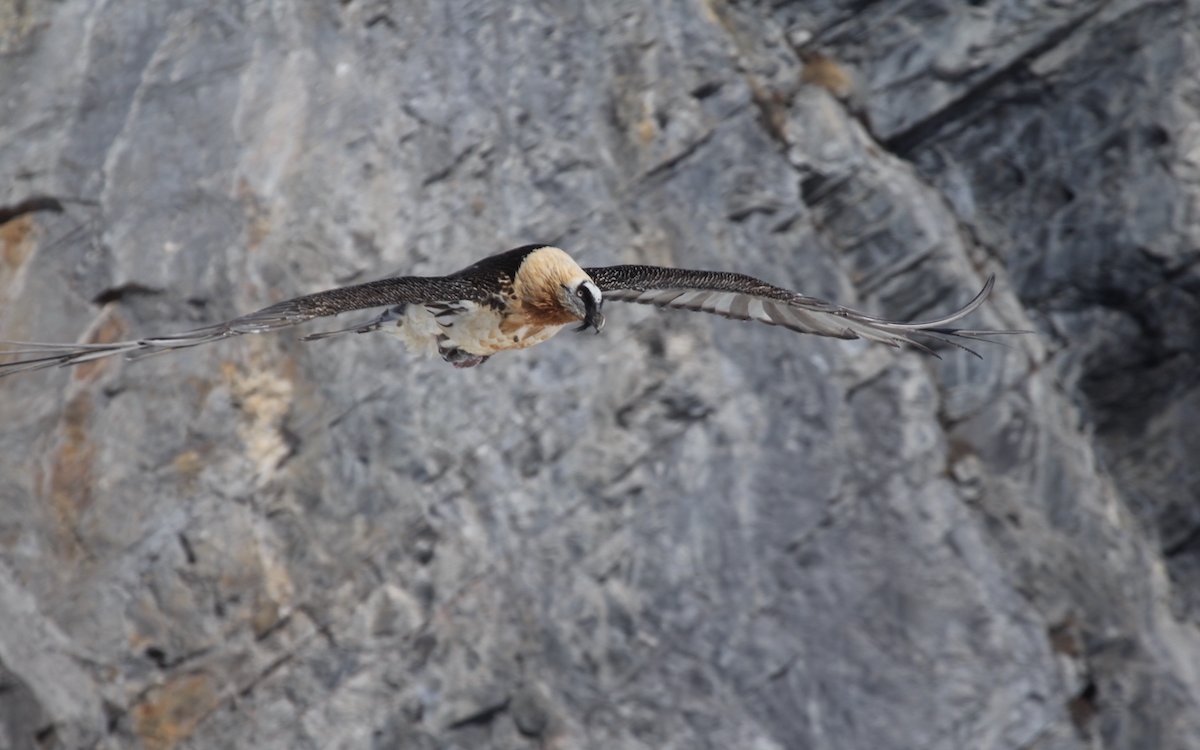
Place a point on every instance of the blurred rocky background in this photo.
(683, 533)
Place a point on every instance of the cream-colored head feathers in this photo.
(545, 280)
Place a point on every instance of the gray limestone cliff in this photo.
(684, 533)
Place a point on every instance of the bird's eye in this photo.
(580, 292)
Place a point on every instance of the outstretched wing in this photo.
(385, 292)
(740, 297)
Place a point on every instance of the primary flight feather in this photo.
(520, 298)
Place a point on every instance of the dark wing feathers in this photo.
(389, 292)
(384, 292)
(734, 295)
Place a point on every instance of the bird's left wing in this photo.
(734, 295)
(36, 355)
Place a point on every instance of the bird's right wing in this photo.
(741, 297)
(37, 355)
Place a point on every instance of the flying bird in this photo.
(519, 298)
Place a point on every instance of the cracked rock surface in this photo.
(683, 533)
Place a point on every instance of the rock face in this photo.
(683, 533)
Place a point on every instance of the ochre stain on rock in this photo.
(264, 615)
(71, 468)
(110, 329)
(826, 72)
(18, 22)
(169, 713)
(188, 463)
(258, 216)
(264, 399)
(646, 130)
(17, 240)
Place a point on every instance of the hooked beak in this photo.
(592, 318)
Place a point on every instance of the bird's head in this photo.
(584, 301)
(552, 283)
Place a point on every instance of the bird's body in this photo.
(518, 299)
(463, 333)
(512, 303)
